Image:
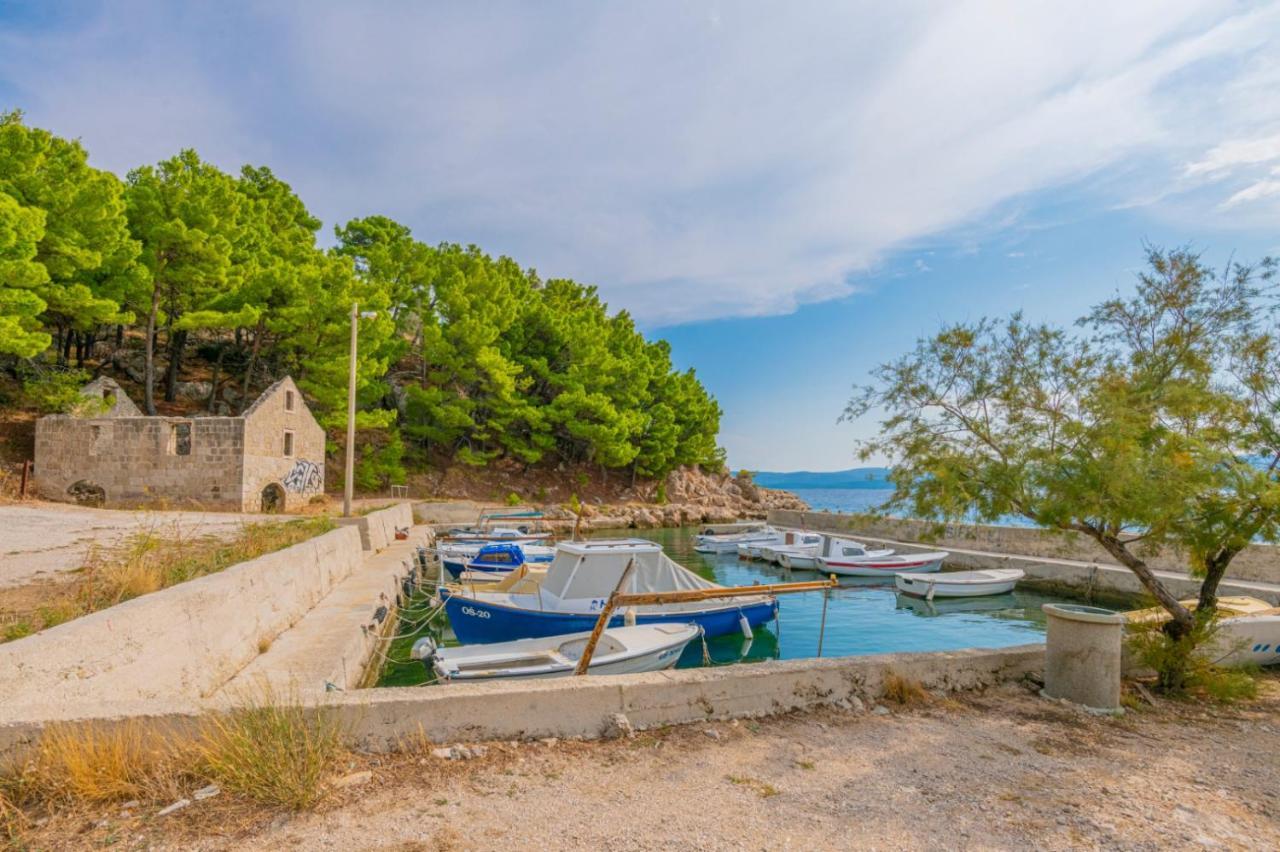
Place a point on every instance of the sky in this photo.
(791, 193)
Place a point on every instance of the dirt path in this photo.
(1005, 770)
(43, 540)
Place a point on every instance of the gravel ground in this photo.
(43, 540)
(1002, 770)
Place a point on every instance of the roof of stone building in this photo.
(104, 387)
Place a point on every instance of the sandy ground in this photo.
(1002, 770)
(42, 540)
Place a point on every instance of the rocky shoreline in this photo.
(692, 497)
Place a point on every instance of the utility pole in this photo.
(348, 484)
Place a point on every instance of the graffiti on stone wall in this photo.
(304, 477)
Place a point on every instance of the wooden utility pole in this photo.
(348, 484)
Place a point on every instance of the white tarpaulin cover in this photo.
(592, 569)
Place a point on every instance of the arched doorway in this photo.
(87, 493)
(273, 498)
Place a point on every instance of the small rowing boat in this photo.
(850, 558)
(959, 584)
(619, 650)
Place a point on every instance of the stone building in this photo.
(270, 458)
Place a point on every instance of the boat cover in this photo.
(589, 572)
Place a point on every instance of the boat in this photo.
(715, 540)
(1248, 630)
(619, 650)
(850, 558)
(796, 543)
(457, 558)
(498, 558)
(753, 547)
(959, 584)
(578, 584)
(485, 530)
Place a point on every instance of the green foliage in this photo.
(1145, 433)
(1184, 666)
(56, 391)
(464, 357)
(513, 499)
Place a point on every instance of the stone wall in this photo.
(297, 469)
(141, 458)
(1259, 563)
(182, 642)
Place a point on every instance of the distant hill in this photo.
(858, 477)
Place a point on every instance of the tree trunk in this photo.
(253, 363)
(177, 342)
(1215, 569)
(149, 379)
(80, 349)
(119, 335)
(66, 348)
(213, 382)
(1182, 618)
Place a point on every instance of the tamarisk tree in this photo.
(1155, 426)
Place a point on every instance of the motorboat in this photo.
(959, 584)
(518, 527)
(578, 584)
(712, 541)
(498, 558)
(805, 557)
(754, 547)
(457, 558)
(619, 650)
(849, 558)
(795, 543)
(1247, 630)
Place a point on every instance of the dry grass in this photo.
(155, 558)
(275, 752)
(904, 691)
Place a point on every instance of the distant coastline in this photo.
(875, 478)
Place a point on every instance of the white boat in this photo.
(620, 650)
(754, 547)
(711, 541)
(1248, 630)
(959, 584)
(853, 559)
(795, 544)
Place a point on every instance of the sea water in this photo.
(863, 616)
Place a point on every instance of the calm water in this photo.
(854, 500)
(863, 617)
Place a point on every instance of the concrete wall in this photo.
(137, 458)
(300, 472)
(379, 719)
(378, 529)
(186, 640)
(1260, 563)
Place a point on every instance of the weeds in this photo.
(904, 691)
(157, 558)
(1187, 666)
(763, 789)
(270, 751)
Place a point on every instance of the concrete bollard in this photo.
(1082, 660)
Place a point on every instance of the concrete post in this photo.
(1082, 659)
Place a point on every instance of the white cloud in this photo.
(694, 159)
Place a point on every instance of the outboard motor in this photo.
(424, 649)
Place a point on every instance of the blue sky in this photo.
(790, 193)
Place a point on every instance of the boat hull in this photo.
(798, 562)
(965, 584)
(651, 658)
(476, 621)
(880, 567)
(1247, 640)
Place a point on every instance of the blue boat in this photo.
(495, 558)
(577, 585)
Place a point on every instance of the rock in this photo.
(206, 792)
(194, 390)
(444, 753)
(354, 779)
(619, 726)
(713, 733)
(176, 806)
(856, 705)
(880, 710)
(550, 741)
(130, 805)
